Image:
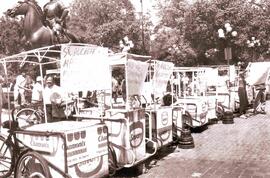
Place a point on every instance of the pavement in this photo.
(239, 150)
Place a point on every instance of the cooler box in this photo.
(127, 135)
(211, 101)
(161, 119)
(198, 109)
(77, 148)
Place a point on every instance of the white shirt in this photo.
(20, 81)
(49, 91)
(37, 92)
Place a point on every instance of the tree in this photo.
(11, 33)
(106, 22)
(170, 43)
(194, 27)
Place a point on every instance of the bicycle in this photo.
(31, 114)
(28, 115)
(16, 156)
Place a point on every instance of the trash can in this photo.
(228, 117)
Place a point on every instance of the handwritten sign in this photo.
(136, 74)
(162, 73)
(84, 68)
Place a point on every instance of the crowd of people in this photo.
(27, 92)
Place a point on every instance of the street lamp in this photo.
(126, 44)
(253, 43)
(226, 34)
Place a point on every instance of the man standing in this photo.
(242, 93)
(55, 14)
(115, 88)
(19, 88)
(51, 90)
(37, 91)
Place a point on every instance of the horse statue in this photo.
(36, 34)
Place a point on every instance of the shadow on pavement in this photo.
(143, 167)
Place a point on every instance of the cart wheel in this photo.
(6, 158)
(112, 161)
(27, 117)
(32, 165)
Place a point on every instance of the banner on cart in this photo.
(84, 68)
(136, 74)
(163, 71)
(85, 144)
(40, 143)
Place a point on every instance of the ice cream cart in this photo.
(66, 148)
(222, 87)
(125, 118)
(190, 87)
(70, 148)
(159, 110)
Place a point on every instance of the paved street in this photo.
(239, 150)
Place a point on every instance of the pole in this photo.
(142, 23)
(42, 83)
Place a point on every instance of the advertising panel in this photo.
(164, 125)
(136, 74)
(83, 68)
(86, 147)
(162, 73)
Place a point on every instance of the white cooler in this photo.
(77, 148)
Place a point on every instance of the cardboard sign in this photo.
(162, 73)
(136, 74)
(84, 68)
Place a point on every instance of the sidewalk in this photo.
(239, 150)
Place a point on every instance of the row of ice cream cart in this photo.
(161, 102)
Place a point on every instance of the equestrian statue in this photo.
(43, 27)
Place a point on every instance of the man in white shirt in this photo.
(19, 89)
(37, 91)
(50, 91)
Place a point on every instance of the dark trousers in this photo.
(49, 112)
(243, 100)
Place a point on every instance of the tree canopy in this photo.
(106, 22)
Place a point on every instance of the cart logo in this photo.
(164, 118)
(203, 117)
(165, 133)
(76, 136)
(40, 143)
(76, 143)
(102, 136)
(136, 134)
(89, 168)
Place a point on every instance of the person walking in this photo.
(242, 93)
